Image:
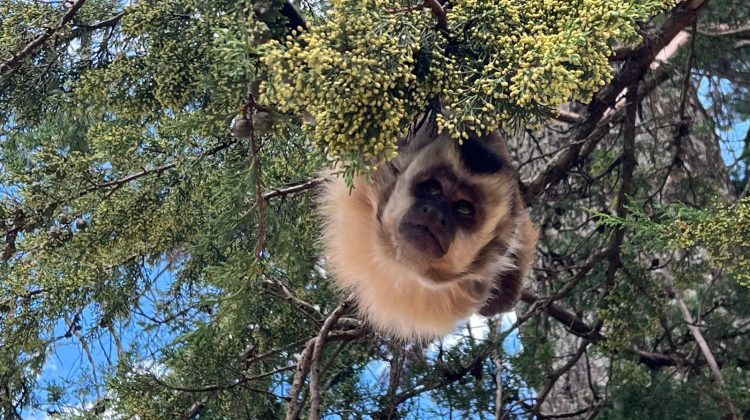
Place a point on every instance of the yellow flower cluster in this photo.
(355, 75)
(724, 234)
(524, 57)
(373, 66)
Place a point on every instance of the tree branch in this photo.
(292, 189)
(628, 160)
(303, 367)
(698, 335)
(317, 355)
(305, 307)
(635, 67)
(106, 23)
(724, 30)
(705, 349)
(439, 13)
(571, 322)
(555, 375)
(568, 117)
(10, 64)
(499, 412)
(258, 178)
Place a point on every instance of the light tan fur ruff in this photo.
(390, 295)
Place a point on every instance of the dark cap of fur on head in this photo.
(477, 156)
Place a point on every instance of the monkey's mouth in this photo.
(424, 240)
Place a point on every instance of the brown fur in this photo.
(398, 289)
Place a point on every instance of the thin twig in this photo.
(740, 30)
(119, 182)
(439, 13)
(555, 375)
(258, 175)
(292, 189)
(306, 308)
(330, 362)
(111, 21)
(688, 72)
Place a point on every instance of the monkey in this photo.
(438, 233)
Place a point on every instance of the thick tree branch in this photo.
(633, 70)
(499, 412)
(576, 326)
(568, 117)
(309, 361)
(317, 355)
(628, 161)
(561, 164)
(635, 67)
(571, 322)
(303, 368)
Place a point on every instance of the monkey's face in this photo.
(446, 203)
(436, 234)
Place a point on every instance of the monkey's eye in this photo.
(432, 187)
(464, 208)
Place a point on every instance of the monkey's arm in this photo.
(508, 285)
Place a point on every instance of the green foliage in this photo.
(662, 398)
(372, 67)
(722, 231)
(133, 172)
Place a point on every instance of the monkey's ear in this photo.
(508, 285)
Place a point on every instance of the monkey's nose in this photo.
(433, 216)
(428, 228)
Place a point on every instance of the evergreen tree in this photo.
(158, 216)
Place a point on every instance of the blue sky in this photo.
(69, 363)
(734, 131)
